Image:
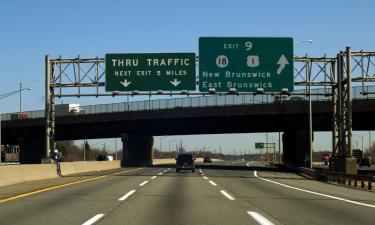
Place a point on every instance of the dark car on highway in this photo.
(185, 162)
(207, 159)
(364, 162)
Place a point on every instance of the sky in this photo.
(29, 30)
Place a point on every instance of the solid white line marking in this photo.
(126, 195)
(213, 183)
(315, 193)
(259, 218)
(248, 164)
(153, 177)
(233, 163)
(94, 219)
(227, 195)
(161, 173)
(205, 178)
(143, 183)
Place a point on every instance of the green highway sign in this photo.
(245, 64)
(259, 145)
(150, 72)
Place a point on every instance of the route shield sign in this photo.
(150, 72)
(245, 64)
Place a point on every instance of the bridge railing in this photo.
(201, 101)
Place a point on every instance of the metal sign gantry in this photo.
(80, 77)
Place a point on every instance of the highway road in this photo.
(209, 196)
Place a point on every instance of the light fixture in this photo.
(232, 90)
(259, 91)
(212, 90)
(184, 92)
(284, 91)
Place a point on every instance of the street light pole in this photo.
(20, 98)
(169, 148)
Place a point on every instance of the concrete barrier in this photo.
(12, 174)
(68, 168)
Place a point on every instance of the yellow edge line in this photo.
(63, 185)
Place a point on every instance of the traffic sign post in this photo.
(245, 64)
(150, 72)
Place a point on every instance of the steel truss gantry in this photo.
(81, 77)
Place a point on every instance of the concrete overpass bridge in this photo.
(138, 122)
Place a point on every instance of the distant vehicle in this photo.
(67, 109)
(207, 159)
(361, 161)
(185, 162)
(102, 158)
(326, 157)
(364, 162)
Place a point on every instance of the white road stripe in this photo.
(259, 218)
(153, 177)
(315, 193)
(165, 171)
(227, 195)
(161, 173)
(248, 164)
(213, 183)
(126, 195)
(143, 183)
(202, 174)
(205, 178)
(93, 220)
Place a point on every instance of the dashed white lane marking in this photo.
(315, 193)
(202, 174)
(143, 183)
(165, 171)
(227, 195)
(123, 198)
(259, 218)
(94, 219)
(161, 173)
(205, 177)
(213, 183)
(153, 177)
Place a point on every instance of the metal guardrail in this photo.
(202, 101)
(347, 179)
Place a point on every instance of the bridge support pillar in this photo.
(31, 150)
(137, 150)
(296, 148)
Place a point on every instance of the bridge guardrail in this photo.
(347, 179)
(190, 102)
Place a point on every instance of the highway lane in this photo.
(209, 196)
(291, 206)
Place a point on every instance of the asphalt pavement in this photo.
(208, 196)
